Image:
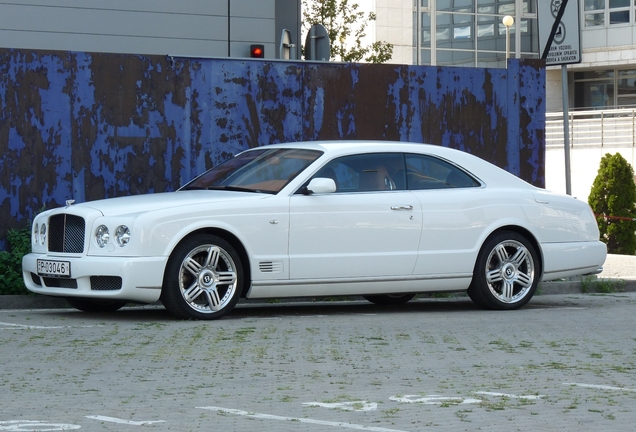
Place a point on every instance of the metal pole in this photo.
(508, 21)
(418, 39)
(507, 45)
(566, 128)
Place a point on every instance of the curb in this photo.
(595, 285)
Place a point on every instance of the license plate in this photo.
(54, 268)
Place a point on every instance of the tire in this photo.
(203, 279)
(506, 273)
(95, 305)
(389, 299)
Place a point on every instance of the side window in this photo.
(427, 172)
(366, 173)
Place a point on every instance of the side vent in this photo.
(271, 266)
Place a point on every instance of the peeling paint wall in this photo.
(85, 126)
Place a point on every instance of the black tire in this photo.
(506, 273)
(203, 279)
(389, 299)
(95, 305)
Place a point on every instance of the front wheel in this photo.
(203, 279)
(506, 273)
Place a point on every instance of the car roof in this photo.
(485, 171)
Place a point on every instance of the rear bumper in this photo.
(122, 278)
(572, 259)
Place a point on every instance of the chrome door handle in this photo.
(402, 207)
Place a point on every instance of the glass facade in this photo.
(470, 33)
(606, 13)
(605, 89)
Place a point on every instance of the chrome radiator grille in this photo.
(66, 233)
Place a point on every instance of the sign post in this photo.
(560, 44)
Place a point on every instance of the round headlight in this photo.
(43, 234)
(36, 233)
(102, 236)
(122, 235)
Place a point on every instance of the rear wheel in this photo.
(389, 299)
(95, 305)
(507, 272)
(204, 278)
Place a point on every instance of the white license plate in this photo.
(54, 268)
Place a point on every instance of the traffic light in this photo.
(257, 51)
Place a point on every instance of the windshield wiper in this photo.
(238, 189)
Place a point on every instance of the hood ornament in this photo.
(69, 203)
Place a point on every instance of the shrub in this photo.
(612, 199)
(11, 262)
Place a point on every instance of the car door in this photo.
(454, 215)
(368, 228)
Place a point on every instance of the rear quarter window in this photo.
(428, 172)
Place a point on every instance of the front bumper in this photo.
(136, 279)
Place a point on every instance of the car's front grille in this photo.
(60, 283)
(105, 283)
(66, 233)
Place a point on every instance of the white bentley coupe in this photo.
(383, 220)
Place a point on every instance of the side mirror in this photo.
(320, 185)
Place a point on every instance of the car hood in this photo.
(135, 204)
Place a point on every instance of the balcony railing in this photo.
(593, 129)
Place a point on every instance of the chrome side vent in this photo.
(270, 266)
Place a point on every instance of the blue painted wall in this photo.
(85, 126)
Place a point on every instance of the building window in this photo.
(471, 33)
(605, 89)
(602, 13)
(594, 90)
(626, 89)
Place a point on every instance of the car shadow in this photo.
(265, 309)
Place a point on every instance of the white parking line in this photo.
(346, 406)
(35, 426)
(509, 396)
(122, 421)
(34, 327)
(434, 399)
(299, 420)
(601, 387)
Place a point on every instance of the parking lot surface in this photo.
(564, 362)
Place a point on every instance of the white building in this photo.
(198, 28)
(470, 33)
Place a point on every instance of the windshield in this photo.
(260, 170)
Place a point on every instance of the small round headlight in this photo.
(122, 235)
(43, 234)
(36, 233)
(102, 236)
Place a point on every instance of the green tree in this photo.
(612, 199)
(347, 26)
(11, 262)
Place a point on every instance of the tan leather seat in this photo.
(376, 179)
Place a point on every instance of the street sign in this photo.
(559, 31)
(317, 45)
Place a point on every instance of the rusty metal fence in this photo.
(86, 126)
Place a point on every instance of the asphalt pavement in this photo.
(562, 363)
(619, 275)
